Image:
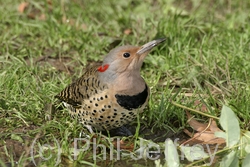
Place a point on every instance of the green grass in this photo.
(206, 54)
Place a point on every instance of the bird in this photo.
(111, 95)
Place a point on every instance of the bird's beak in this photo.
(148, 46)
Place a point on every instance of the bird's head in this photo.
(125, 62)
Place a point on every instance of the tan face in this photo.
(126, 59)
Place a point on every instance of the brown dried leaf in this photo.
(206, 137)
(195, 124)
(42, 17)
(34, 12)
(209, 138)
(124, 145)
(205, 132)
(202, 107)
(213, 127)
(127, 31)
(22, 7)
(49, 2)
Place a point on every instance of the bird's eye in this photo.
(126, 55)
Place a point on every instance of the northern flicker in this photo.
(110, 96)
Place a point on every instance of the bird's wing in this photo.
(83, 88)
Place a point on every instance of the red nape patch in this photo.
(103, 68)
